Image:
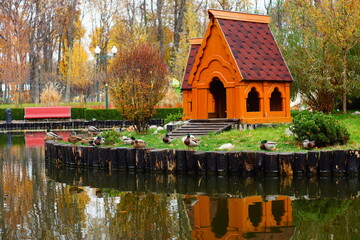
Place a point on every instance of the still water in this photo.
(41, 201)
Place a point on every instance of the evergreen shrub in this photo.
(163, 113)
(78, 113)
(323, 128)
(103, 114)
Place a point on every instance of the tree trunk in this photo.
(160, 4)
(344, 95)
(179, 15)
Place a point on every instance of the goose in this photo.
(266, 145)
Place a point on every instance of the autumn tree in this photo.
(138, 80)
(316, 35)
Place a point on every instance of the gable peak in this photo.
(246, 17)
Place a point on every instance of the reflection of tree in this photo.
(142, 217)
(317, 219)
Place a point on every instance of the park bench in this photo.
(47, 112)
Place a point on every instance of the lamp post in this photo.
(103, 58)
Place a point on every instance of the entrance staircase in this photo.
(204, 127)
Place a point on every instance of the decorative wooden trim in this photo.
(194, 41)
(239, 16)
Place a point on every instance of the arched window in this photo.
(252, 101)
(276, 100)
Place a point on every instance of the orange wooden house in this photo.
(236, 71)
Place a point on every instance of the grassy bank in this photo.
(250, 139)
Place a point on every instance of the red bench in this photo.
(47, 112)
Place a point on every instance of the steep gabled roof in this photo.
(195, 46)
(252, 45)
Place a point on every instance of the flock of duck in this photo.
(93, 138)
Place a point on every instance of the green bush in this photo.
(163, 113)
(103, 114)
(322, 128)
(16, 114)
(78, 113)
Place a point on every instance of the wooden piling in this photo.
(181, 164)
(170, 158)
(235, 162)
(140, 159)
(353, 160)
(259, 163)
(325, 162)
(299, 166)
(286, 162)
(191, 165)
(131, 159)
(200, 159)
(222, 163)
(156, 161)
(210, 162)
(249, 160)
(339, 162)
(312, 163)
(122, 158)
(271, 164)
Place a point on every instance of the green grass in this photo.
(250, 139)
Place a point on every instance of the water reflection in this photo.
(39, 201)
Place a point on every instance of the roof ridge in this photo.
(246, 17)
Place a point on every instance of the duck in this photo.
(92, 130)
(138, 143)
(191, 141)
(74, 138)
(99, 140)
(226, 146)
(266, 145)
(127, 140)
(86, 140)
(308, 144)
(49, 135)
(167, 139)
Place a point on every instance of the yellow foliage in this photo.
(50, 95)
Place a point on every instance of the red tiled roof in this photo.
(255, 50)
(191, 59)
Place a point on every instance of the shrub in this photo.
(322, 128)
(163, 113)
(78, 113)
(103, 114)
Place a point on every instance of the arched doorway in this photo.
(218, 92)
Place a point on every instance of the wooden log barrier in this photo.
(249, 159)
(222, 163)
(71, 153)
(299, 166)
(271, 164)
(325, 162)
(339, 162)
(211, 162)
(89, 156)
(170, 158)
(200, 160)
(353, 160)
(235, 162)
(156, 161)
(64, 149)
(286, 162)
(312, 163)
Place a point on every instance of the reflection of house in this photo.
(236, 71)
(241, 218)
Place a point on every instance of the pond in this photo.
(42, 201)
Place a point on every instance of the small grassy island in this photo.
(241, 140)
